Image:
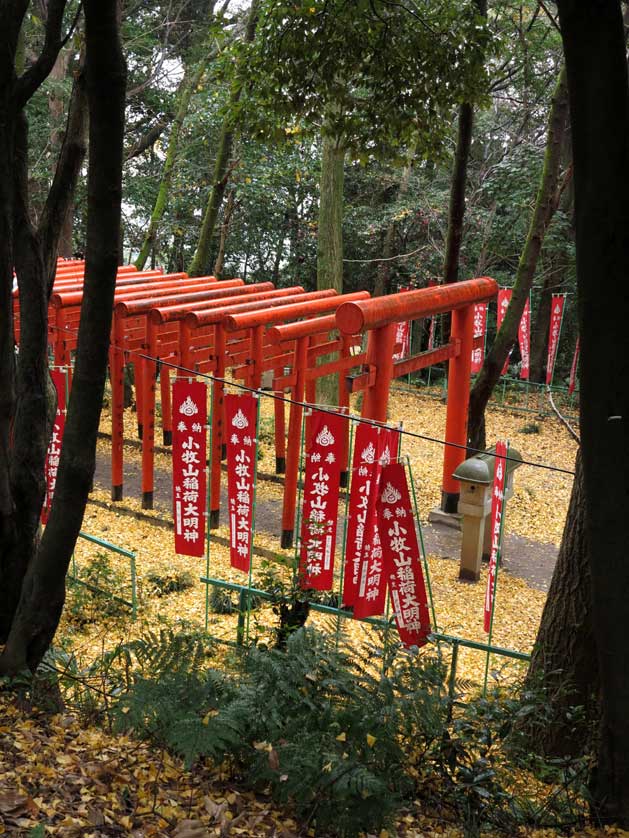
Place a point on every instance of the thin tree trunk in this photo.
(545, 205)
(598, 84)
(384, 268)
(202, 257)
(57, 212)
(26, 385)
(43, 589)
(189, 84)
(56, 109)
(227, 215)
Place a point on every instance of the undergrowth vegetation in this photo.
(343, 738)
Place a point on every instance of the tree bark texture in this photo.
(383, 276)
(189, 84)
(330, 241)
(330, 228)
(545, 206)
(564, 657)
(598, 84)
(42, 593)
(202, 259)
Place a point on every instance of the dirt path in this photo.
(529, 560)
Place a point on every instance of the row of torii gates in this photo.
(226, 327)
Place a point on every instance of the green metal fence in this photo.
(111, 548)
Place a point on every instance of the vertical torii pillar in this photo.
(381, 314)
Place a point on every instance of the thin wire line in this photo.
(330, 410)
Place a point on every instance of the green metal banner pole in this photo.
(493, 602)
(253, 516)
(352, 422)
(208, 470)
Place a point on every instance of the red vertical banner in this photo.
(402, 339)
(504, 298)
(497, 501)
(324, 434)
(371, 585)
(241, 422)
(431, 333)
(402, 556)
(403, 335)
(556, 316)
(433, 320)
(480, 328)
(189, 453)
(361, 490)
(524, 341)
(574, 367)
(54, 448)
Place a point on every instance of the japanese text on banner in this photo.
(573, 368)
(189, 466)
(497, 503)
(54, 448)
(480, 328)
(324, 433)
(524, 341)
(504, 298)
(556, 316)
(241, 412)
(402, 557)
(362, 487)
(371, 590)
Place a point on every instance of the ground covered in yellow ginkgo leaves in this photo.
(60, 777)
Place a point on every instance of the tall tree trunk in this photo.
(43, 589)
(201, 261)
(189, 84)
(564, 656)
(330, 230)
(598, 84)
(383, 274)
(330, 240)
(545, 205)
(227, 216)
(456, 210)
(57, 214)
(56, 109)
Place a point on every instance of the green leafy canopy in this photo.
(377, 75)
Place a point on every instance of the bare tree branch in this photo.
(33, 78)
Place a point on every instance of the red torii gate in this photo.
(193, 357)
(300, 386)
(164, 344)
(380, 316)
(130, 336)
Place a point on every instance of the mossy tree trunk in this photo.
(548, 195)
(330, 239)
(202, 260)
(191, 80)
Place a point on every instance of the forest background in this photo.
(226, 160)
